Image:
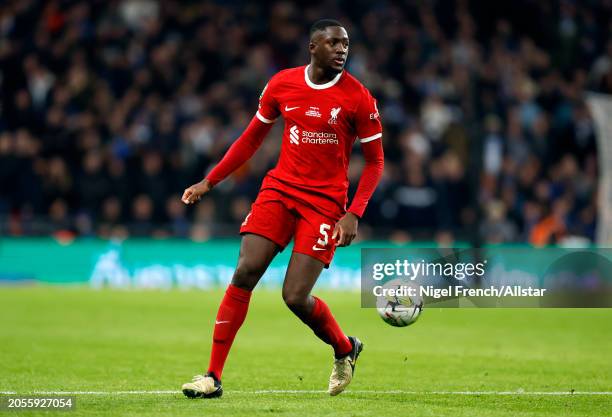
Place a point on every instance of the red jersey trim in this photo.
(370, 138)
(263, 119)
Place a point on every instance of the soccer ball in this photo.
(399, 311)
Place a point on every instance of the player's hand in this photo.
(346, 229)
(196, 191)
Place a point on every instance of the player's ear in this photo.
(311, 46)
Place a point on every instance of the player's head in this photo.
(329, 44)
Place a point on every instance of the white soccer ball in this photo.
(399, 311)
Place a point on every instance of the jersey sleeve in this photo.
(268, 110)
(367, 119)
(240, 151)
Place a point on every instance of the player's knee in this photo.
(247, 275)
(295, 301)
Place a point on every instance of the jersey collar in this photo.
(321, 86)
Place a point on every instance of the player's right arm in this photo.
(242, 149)
(240, 152)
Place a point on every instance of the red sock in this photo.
(231, 314)
(325, 326)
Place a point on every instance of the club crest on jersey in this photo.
(333, 119)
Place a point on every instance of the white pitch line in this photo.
(156, 392)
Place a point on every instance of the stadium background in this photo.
(110, 109)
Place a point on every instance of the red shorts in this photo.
(279, 218)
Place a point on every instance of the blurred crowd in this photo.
(109, 109)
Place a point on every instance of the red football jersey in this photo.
(322, 122)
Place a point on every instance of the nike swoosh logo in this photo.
(291, 108)
(222, 321)
(315, 248)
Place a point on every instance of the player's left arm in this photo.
(369, 133)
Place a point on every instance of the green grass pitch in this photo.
(77, 339)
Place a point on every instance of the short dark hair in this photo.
(323, 24)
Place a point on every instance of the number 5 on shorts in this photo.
(323, 230)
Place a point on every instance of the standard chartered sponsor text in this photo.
(319, 138)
